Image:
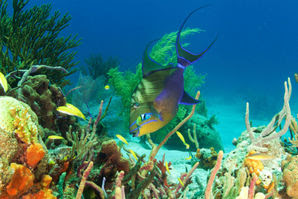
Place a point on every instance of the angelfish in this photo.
(155, 100)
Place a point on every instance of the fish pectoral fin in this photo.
(156, 113)
(187, 99)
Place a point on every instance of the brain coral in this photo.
(17, 117)
(290, 175)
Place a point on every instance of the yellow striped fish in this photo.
(182, 184)
(167, 167)
(120, 137)
(3, 82)
(70, 109)
(189, 158)
(133, 154)
(182, 139)
(55, 137)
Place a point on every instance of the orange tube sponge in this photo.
(34, 154)
(21, 181)
(254, 166)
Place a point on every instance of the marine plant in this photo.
(97, 66)
(31, 36)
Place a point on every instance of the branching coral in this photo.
(208, 191)
(25, 42)
(256, 174)
(294, 130)
(82, 143)
(269, 132)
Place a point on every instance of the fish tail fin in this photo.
(185, 57)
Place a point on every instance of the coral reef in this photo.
(21, 181)
(18, 118)
(21, 151)
(245, 177)
(290, 175)
(43, 98)
(206, 157)
(80, 161)
(25, 42)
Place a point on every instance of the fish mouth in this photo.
(136, 131)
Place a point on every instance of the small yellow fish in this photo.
(55, 137)
(182, 139)
(70, 109)
(133, 154)
(120, 137)
(181, 182)
(167, 167)
(107, 87)
(65, 158)
(260, 156)
(189, 158)
(3, 82)
(51, 162)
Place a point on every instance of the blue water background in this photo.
(256, 50)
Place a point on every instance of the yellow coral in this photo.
(254, 166)
(16, 116)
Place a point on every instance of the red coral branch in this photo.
(212, 176)
(83, 181)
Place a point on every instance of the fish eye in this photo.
(136, 105)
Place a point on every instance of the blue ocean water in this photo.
(256, 50)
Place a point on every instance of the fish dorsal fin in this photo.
(149, 65)
(184, 57)
(187, 99)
